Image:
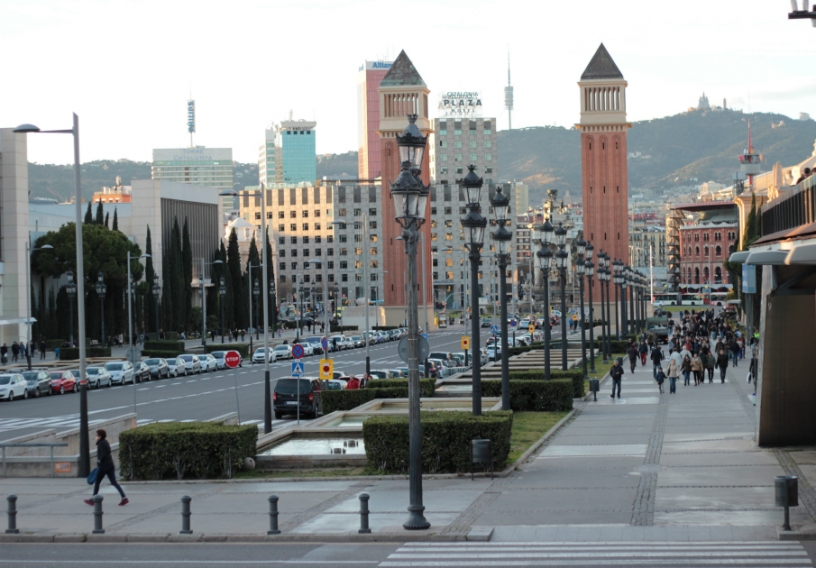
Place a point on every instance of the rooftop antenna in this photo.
(191, 118)
(508, 96)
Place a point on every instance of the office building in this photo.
(289, 155)
(521, 197)
(368, 117)
(208, 167)
(460, 142)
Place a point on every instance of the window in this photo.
(448, 210)
(304, 214)
(330, 239)
(372, 224)
(443, 171)
(443, 157)
(488, 170)
(306, 278)
(458, 157)
(358, 264)
(358, 238)
(318, 239)
(293, 214)
(282, 278)
(317, 226)
(488, 144)
(488, 157)
(343, 265)
(718, 251)
(317, 212)
(343, 238)
(448, 236)
(358, 212)
(293, 227)
(696, 236)
(433, 210)
(294, 266)
(281, 228)
(318, 252)
(705, 237)
(306, 254)
(459, 170)
(705, 251)
(305, 226)
(448, 223)
(473, 158)
(443, 143)
(281, 215)
(343, 251)
(373, 251)
(473, 143)
(282, 266)
(330, 264)
(305, 240)
(293, 240)
(282, 253)
(341, 212)
(330, 252)
(696, 251)
(372, 211)
(293, 253)
(458, 144)
(344, 277)
(281, 240)
(443, 132)
(718, 236)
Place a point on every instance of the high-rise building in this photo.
(289, 154)
(211, 167)
(605, 182)
(368, 117)
(460, 142)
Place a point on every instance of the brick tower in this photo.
(605, 180)
(402, 92)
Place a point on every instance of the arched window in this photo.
(705, 251)
(696, 251)
(718, 251)
(696, 275)
(705, 274)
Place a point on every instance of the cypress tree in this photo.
(115, 220)
(273, 300)
(100, 214)
(89, 214)
(149, 273)
(187, 265)
(177, 278)
(235, 290)
(228, 300)
(107, 218)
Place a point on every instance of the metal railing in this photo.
(793, 211)
(31, 445)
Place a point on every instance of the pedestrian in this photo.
(661, 376)
(104, 464)
(644, 352)
(733, 347)
(56, 352)
(632, 352)
(674, 372)
(685, 368)
(616, 372)
(697, 369)
(657, 357)
(722, 363)
(15, 351)
(709, 362)
(43, 349)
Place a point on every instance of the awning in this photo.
(802, 254)
(739, 257)
(767, 257)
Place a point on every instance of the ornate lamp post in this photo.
(156, 292)
(256, 291)
(580, 268)
(629, 276)
(617, 280)
(101, 290)
(410, 201)
(222, 291)
(474, 225)
(590, 271)
(561, 262)
(71, 290)
(544, 257)
(607, 278)
(501, 207)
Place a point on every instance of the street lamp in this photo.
(30, 250)
(222, 291)
(274, 301)
(256, 291)
(590, 271)
(561, 261)
(580, 268)
(604, 277)
(544, 257)
(474, 225)
(101, 290)
(84, 466)
(629, 278)
(410, 201)
(501, 208)
(250, 293)
(204, 299)
(320, 263)
(71, 290)
(156, 292)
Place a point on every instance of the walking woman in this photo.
(722, 363)
(709, 360)
(674, 372)
(697, 369)
(685, 368)
(105, 467)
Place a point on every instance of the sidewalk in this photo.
(645, 467)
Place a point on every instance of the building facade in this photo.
(368, 117)
(460, 142)
(705, 245)
(208, 167)
(605, 183)
(647, 246)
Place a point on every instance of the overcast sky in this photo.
(128, 67)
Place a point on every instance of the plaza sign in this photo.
(460, 104)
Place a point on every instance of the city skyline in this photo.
(130, 75)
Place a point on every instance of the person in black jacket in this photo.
(657, 357)
(616, 372)
(632, 352)
(105, 467)
(722, 363)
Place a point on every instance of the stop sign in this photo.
(232, 359)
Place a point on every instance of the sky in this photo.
(127, 68)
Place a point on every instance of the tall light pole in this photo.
(156, 291)
(580, 268)
(204, 298)
(410, 201)
(474, 225)
(561, 261)
(84, 465)
(252, 292)
(589, 268)
(101, 290)
(501, 208)
(544, 257)
(130, 296)
(222, 291)
(71, 290)
(30, 250)
(629, 275)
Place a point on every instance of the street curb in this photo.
(534, 448)
(244, 538)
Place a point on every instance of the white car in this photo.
(349, 342)
(13, 386)
(337, 342)
(208, 362)
(258, 356)
(308, 349)
(192, 363)
(97, 377)
(121, 372)
(219, 359)
(283, 352)
(177, 367)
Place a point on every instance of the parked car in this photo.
(219, 359)
(397, 374)
(121, 372)
(316, 342)
(308, 350)
(380, 374)
(285, 397)
(191, 361)
(177, 367)
(445, 356)
(334, 384)
(37, 382)
(97, 376)
(404, 371)
(460, 359)
(337, 342)
(158, 368)
(357, 340)
(494, 352)
(486, 323)
(63, 381)
(13, 386)
(283, 351)
(208, 362)
(258, 356)
(141, 372)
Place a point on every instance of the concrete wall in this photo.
(786, 396)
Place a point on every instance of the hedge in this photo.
(242, 348)
(204, 450)
(426, 386)
(164, 345)
(160, 353)
(52, 343)
(575, 375)
(342, 328)
(72, 353)
(446, 440)
(385, 327)
(532, 395)
(348, 399)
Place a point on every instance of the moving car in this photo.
(258, 356)
(192, 363)
(158, 368)
(13, 386)
(63, 381)
(97, 376)
(282, 351)
(121, 372)
(494, 352)
(37, 382)
(176, 367)
(285, 397)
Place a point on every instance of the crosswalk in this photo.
(692, 554)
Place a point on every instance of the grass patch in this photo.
(528, 427)
(600, 368)
(311, 472)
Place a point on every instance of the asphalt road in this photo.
(194, 398)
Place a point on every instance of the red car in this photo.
(63, 381)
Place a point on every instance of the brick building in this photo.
(704, 247)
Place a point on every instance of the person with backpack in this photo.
(632, 352)
(685, 368)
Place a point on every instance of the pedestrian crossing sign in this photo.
(297, 369)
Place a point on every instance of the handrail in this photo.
(51, 445)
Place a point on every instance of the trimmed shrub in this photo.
(204, 450)
(69, 353)
(533, 395)
(342, 328)
(50, 344)
(160, 353)
(98, 352)
(348, 399)
(426, 386)
(384, 327)
(164, 345)
(171, 336)
(574, 375)
(446, 440)
(72, 353)
(242, 348)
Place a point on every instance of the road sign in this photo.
(297, 351)
(327, 369)
(324, 343)
(494, 329)
(424, 349)
(134, 355)
(513, 323)
(531, 328)
(297, 369)
(232, 359)
(465, 342)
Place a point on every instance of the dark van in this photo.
(285, 399)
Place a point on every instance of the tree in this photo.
(235, 289)
(150, 301)
(273, 308)
(107, 218)
(89, 214)
(115, 221)
(100, 214)
(176, 275)
(187, 269)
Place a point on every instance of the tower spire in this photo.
(508, 97)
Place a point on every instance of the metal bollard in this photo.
(273, 515)
(12, 514)
(97, 499)
(185, 515)
(364, 514)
